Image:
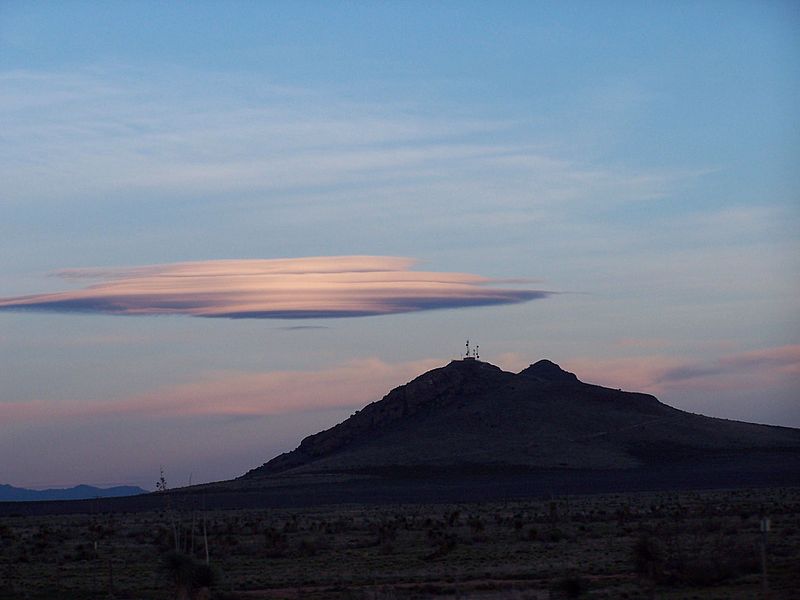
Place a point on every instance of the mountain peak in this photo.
(546, 370)
(470, 364)
(471, 413)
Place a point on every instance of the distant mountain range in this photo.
(9, 493)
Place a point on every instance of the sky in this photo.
(225, 226)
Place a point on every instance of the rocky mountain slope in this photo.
(471, 416)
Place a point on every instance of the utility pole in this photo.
(205, 531)
(110, 578)
(764, 581)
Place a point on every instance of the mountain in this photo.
(471, 432)
(9, 493)
(471, 416)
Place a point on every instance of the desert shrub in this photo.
(386, 536)
(647, 555)
(162, 537)
(475, 524)
(85, 552)
(291, 526)
(205, 576)
(308, 547)
(99, 531)
(386, 548)
(179, 567)
(691, 565)
(732, 530)
(572, 587)
(276, 543)
(6, 533)
(712, 526)
(443, 543)
(707, 570)
(188, 575)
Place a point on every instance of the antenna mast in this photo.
(471, 354)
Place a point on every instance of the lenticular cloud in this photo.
(292, 288)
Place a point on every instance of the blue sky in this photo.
(637, 160)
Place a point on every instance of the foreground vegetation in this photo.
(664, 545)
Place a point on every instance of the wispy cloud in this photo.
(88, 135)
(641, 343)
(759, 369)
(232, 394)
(292, 288)
(360, 381)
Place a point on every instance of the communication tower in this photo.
(472, 354)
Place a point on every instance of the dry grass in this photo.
(677, 545)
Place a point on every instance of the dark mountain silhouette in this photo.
(470, 431)
(471, 416)
(9, 493)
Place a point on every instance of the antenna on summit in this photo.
(471, 354)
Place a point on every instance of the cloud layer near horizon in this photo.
(761, 369)
(355, 383)
(291, 288)
(237, 394)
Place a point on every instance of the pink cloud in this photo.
(765, 368)
(784, 359)
(641, 343)
(638, 373)
(292, 288)
(359, 382)
(353, 384)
